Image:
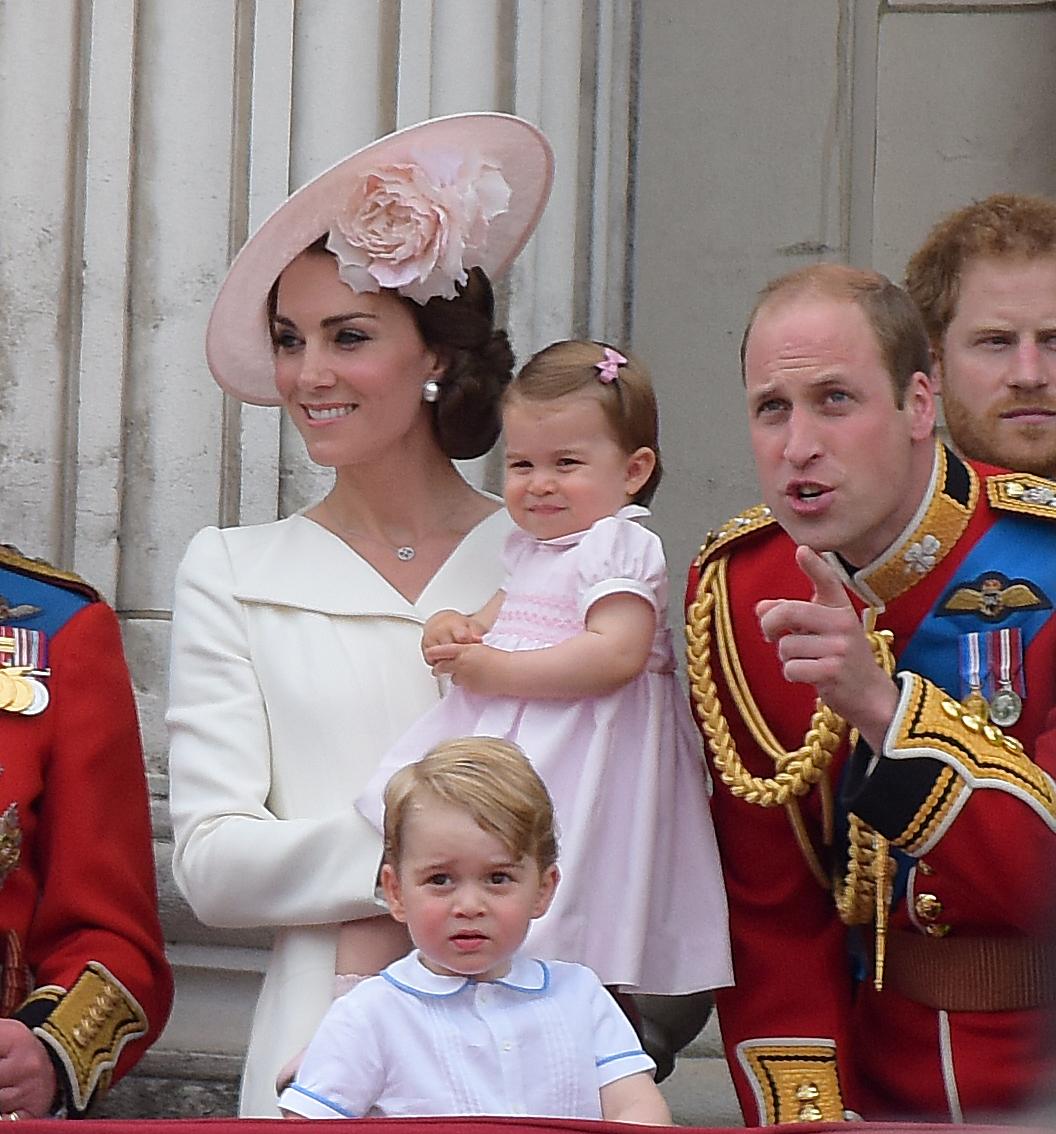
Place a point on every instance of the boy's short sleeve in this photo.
(617, 1049)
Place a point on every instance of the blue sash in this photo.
(1018, 547)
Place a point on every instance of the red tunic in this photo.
(80, 942)
(973, 817)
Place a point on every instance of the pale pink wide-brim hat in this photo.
(238, 340)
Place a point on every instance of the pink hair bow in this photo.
(608, 366)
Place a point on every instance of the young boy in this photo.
(465, 1024)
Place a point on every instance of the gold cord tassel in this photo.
(796, 772)
(865, 892)
(883, 866)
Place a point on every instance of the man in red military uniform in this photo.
(84, 984)
(888, 841)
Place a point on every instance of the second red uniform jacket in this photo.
(83, 960)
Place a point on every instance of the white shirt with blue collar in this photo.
(543, 1040)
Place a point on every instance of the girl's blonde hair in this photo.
(490, 779)
(628, 402)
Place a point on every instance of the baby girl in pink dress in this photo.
(572, 660)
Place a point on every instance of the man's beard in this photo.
(1023, 448)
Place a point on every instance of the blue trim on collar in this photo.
(410, 975)
(526, 975)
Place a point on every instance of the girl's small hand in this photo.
(448, 626)
(475, 667)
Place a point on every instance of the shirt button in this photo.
(507, 1047)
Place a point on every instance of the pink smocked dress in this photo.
(641, 899)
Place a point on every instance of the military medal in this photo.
(971, 678)
(23, 665)
(1006, 648)
(976, 704)
(21, 692)
(41, 697)
(23, 696)
(1005, 707)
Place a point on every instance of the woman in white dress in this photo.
(363, 307)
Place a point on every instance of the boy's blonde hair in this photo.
(628, 402)
(492, 780)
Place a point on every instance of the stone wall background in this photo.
(703, 146)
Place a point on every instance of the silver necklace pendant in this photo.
(405, 554)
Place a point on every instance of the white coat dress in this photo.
(294, 666)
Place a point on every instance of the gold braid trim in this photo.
(865, 889)
(87, 1030)
(864, 895)
(12, 558)
(1024, 493)
(933, 812)
(856, 894)
(795, 772)
(979, 752)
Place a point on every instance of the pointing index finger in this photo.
(828, 590)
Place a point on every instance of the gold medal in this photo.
(23, 666)
(23, 697)
(972, 673)
(975, 703)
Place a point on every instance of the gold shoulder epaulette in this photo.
(750, 520)
(13, 559)
(1023, 493)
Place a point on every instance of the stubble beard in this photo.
(1028, 449)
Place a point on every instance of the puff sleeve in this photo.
(619, 556)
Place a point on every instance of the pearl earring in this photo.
(431, 391)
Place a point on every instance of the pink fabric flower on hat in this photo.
(609, 364)
(417, 226)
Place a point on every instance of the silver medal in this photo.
(1006, 707)
(41, 697)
